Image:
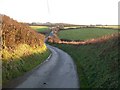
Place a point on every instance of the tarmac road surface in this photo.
(58, 71)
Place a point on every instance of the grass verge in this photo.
(97, 64)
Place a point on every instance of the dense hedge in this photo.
(16, 33)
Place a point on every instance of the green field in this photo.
(97, 64)
(110, 26)
(40, 28)
(84, 33)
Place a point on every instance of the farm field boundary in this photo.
(90, 41)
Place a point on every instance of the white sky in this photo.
(65, 11)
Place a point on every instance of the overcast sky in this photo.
(65, 11)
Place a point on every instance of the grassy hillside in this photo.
(97, 64)
(84, 33)
(22, 49)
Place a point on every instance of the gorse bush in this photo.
(20, 60)
(14, 33)
(22, 49)
(17, 66)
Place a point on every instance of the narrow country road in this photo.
(58, 71)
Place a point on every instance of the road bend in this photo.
(58, 71)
